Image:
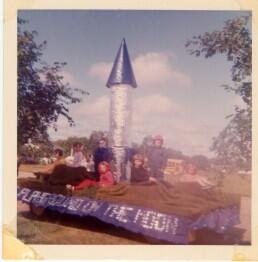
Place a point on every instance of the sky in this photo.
(178, 96)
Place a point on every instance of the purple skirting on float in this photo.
(168, 227)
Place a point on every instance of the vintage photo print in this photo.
(134, 127)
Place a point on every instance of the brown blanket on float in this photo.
(186, 199)
(63, 175)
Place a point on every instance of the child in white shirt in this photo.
(77, 157)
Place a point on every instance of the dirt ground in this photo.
(54, 228)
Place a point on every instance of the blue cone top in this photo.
(122, 71)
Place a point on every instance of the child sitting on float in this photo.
(106, 178)
(77, 158)
(59, 160)
(71, 170)
(191, 176)
(138, 172)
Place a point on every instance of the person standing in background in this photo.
(157, 158)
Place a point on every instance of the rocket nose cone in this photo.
(122, 71)
(123, 42)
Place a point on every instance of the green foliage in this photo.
(90, 143)
(35, 151)
(66, 144)
(202, 162)
(42, 93)
(235, 42)
(233, 144)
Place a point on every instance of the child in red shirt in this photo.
(106, 178)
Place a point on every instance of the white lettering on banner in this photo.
(147, 219)
(75, 204)
(108, 209)
(66, 202)
(156, 221)
(138, 215)
(42, 198)
(144, 217)
(23, 193)
(30, 197)
(85, 207)
(174, 225)
(52, 200)
(120, 213)
(89, 207)
(160, 222)
(60, 200)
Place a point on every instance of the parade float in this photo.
(155, 209)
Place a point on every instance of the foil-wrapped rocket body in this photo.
(121, 81)
(120, 115)
(120, 125)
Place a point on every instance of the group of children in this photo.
(143, 168)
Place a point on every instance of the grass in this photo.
(237, 184)
(31, 168)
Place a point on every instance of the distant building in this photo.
(174, 166)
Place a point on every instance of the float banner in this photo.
(167, 227)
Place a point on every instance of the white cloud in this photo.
(152, 114)
(88, 116)
(156, 103)
(151, 69)
(94, 107)
(100, 71)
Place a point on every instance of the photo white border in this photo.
(150, 252)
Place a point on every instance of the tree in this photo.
(94, 138)
(233, 145)
(146, 145)
(172, 153)
(67, 144)
(90, 143)
(202, 162)
(42, 93)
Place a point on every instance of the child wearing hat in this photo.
(157, 158)
(138, 172)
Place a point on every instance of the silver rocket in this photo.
(121, 82)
